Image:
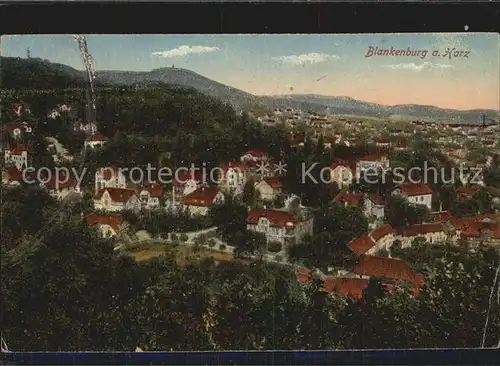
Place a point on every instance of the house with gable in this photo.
(117, 199)
(198, 202)
(233, 177)
(151, 196)
(269, 188)
(280, 226)
(342, 173)
(110, 177)
(383, 237)
(95, 140)
(108, 226)
(415, 193)
(20, 156)
(184, 183)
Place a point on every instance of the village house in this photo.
(151, 196)
(383, 237)
(478, 229)
(108, 226)
(382, 143)
(254, 156)
(198, 202)
(374, 163)
(466, 192)
(89, 128)
(11, 176)
(20, 156)
(279, 226)
(233, 177)
(184, 183)
(431, 232)
(388, 268)
(110, 177)
(60, 187)
(342, 173)
(269, 188)
(117, 199)
(361, 245)
(373, 206)
(415, 193)
(96, 140)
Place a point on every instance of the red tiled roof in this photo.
(415, 189)
(13, 174)
(373, 157)
(256, 153)
(385, 267)
(115, 221)
(350, 287)
(119, 195)
(274, 183)
(467, 191)
(277, 218)
(345, 164)
(202, 197)
(155, 190)
(97, 137)
(361, 245)
(442, 216)
(382, 231)
(420, 229)
(352, 199)
(22, 148)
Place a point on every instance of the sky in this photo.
(334, 65)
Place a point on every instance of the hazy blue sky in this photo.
(289, 64)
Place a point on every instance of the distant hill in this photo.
(42, 74)
(36, 73)
(351, 106)
(239, 99)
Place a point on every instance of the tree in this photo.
(400, 213)
(250, 195)
(229, 217)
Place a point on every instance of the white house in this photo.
(95, 141)
(233, 177)
(184, 183)
(431, 232)
(110, 177)
(151, 196)
(20, 156)
(254, 156)
(415, 193)
(373, 163)
(383, 237)
(89, 128)
(199, 201)
(280, 226)
(117, 199)
(342, 174)
(60, 187)
(107, 225)
(269, 188)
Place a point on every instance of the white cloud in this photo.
(414, 67)
(307, 58)
(184, 51)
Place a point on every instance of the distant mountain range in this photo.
(37, 73)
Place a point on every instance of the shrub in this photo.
(184, 237)
(211, 243)
(173, 237)
(222, 247)
(274, 246)
(279, 258)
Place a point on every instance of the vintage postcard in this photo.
(250, 192)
